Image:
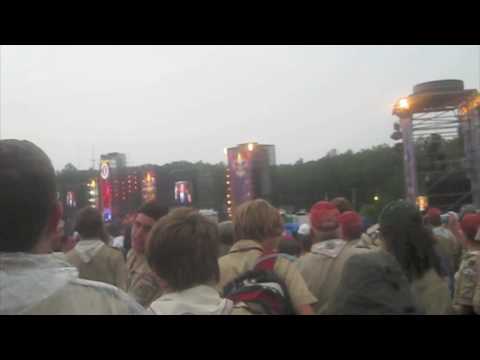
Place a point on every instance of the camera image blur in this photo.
(239, 180)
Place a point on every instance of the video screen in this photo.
(149, 187)
(70, 200)
(106, 189)
(183, 193)
(240, 181)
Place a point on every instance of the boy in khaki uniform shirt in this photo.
(35, 281)
(143, 285)
(93, 258)
(322, 268)
(242, 257)
(107, 265)
(183, 252)
(258, 226)
(446, 244)
(467, 291)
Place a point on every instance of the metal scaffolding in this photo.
(441, 110)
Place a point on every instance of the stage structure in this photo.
(436, 113)
(248, 174)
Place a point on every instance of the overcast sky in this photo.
(160, 104)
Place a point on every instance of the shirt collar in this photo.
(244, 244)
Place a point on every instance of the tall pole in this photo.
(409, 162)
(354, 198)
(1, 104)
(475, 149)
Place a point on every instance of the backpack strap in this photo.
(266, 262)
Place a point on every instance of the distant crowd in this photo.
(180, 262)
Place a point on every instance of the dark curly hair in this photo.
(406, 238)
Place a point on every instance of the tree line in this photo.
(369, 178)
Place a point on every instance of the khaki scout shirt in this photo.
(234, 264)
(322, 269)
(107, 266)
(46, 284)
(467, 281)
(84, 297)
(432, 294)
(143, 285)
(448, 247)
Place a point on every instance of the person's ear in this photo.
(55, 216)
(163, 283)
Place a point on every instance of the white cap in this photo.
(304, 229)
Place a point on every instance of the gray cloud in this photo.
(165, 103)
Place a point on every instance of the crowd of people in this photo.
(179, 262)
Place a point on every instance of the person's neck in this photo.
(42, 247)
(268, 245)
(139, 252)
(473, 245)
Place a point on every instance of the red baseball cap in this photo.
(470, 224)
(351, 223)
(432, 212)
(323, 216)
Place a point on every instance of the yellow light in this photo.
(250, 147)
(376, 198)
(422, 202)
(403, 104)
(93, 183)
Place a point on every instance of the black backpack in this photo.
(261, 289)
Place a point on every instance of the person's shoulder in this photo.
(241, 309)
(471, 257)
(60, 255)
(115, 251)
(95, 287)
(328, 248)
(105, 293)
(470, 261)
(359, 248)
(130, 255)
(373, 258)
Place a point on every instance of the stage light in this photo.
(250, 147)
(403, 104)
